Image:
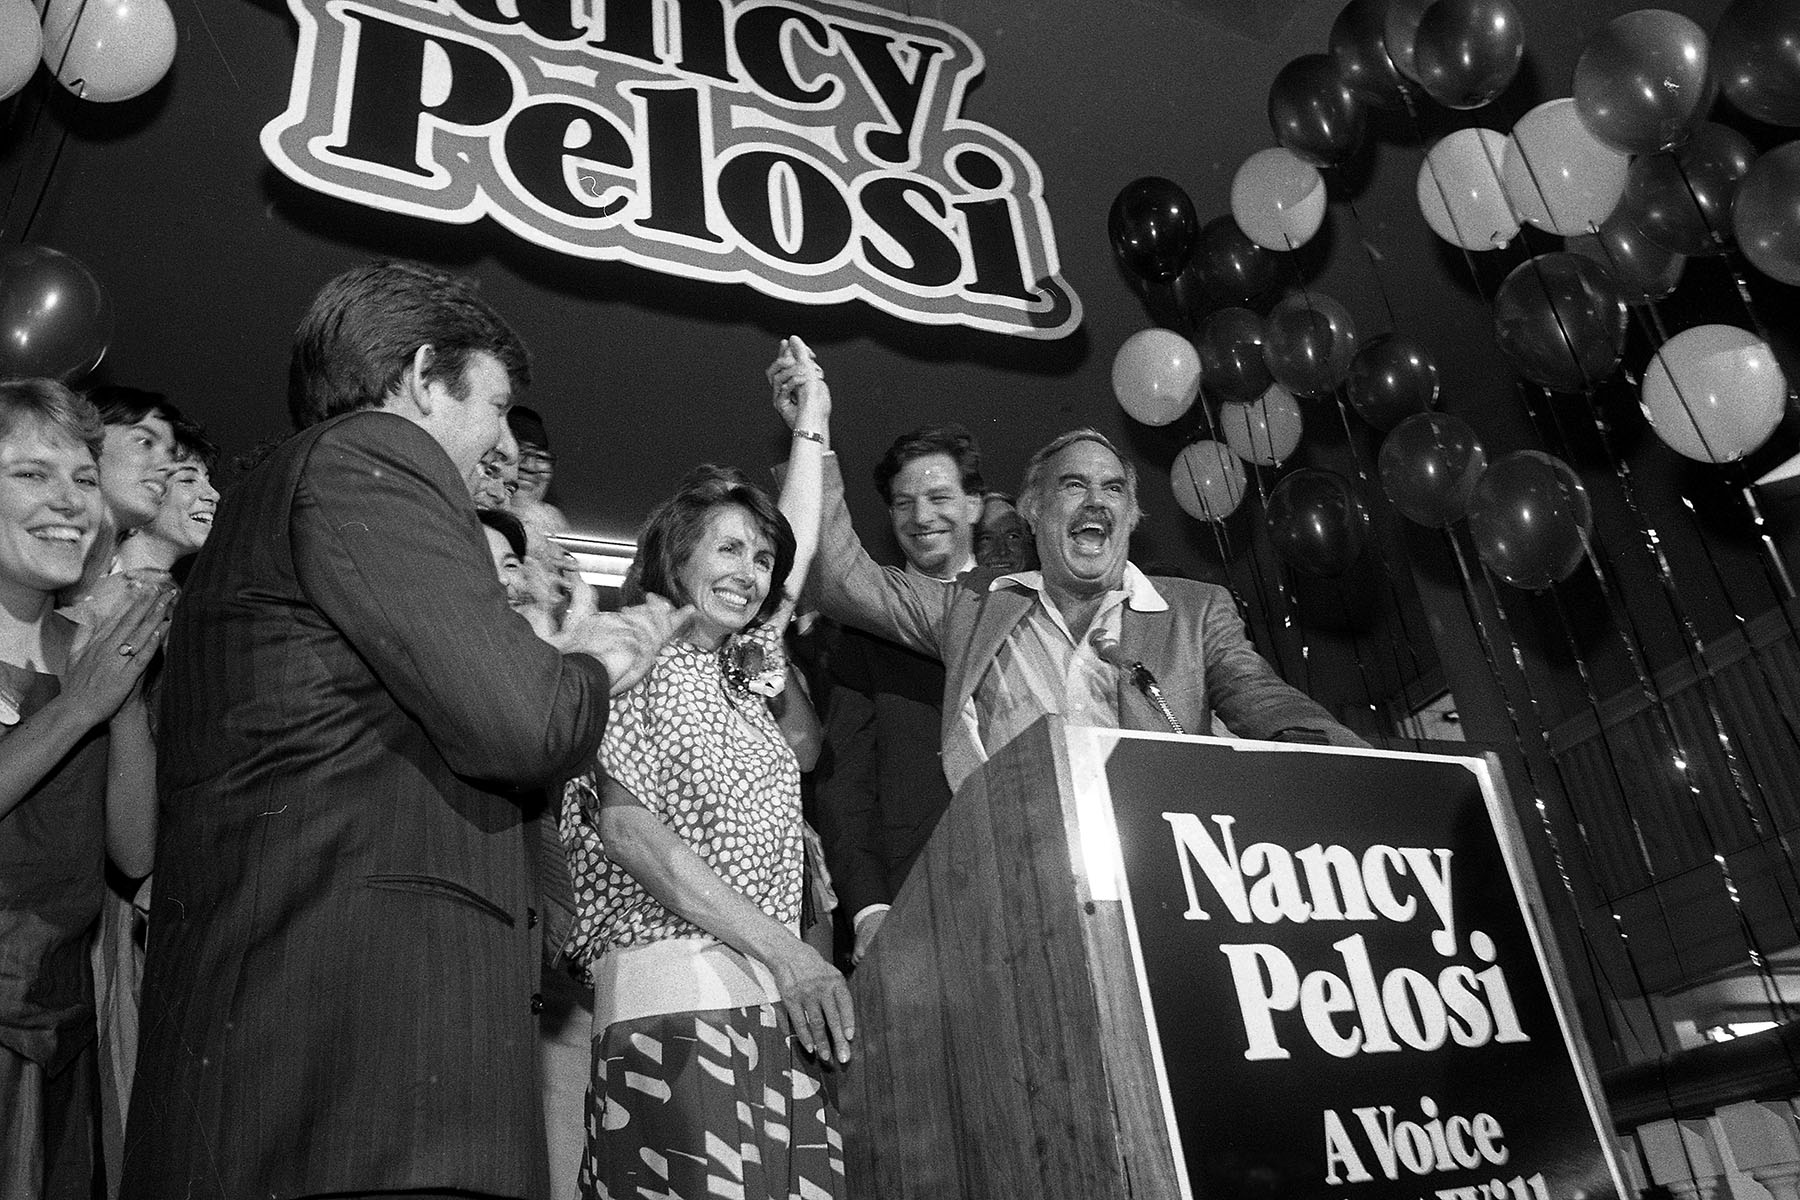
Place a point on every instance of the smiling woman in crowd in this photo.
(72, 719)
(185, 516)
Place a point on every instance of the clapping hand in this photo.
(108, 657)
(627, 641)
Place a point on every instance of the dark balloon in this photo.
(1153, 228)
(1561, 321)
(1681, 199)
(1231, 355)
(1429, 466)
(1313, 111)
(1400, 32)
(1358, 44)
(1466, 52)
(1530, 517)
(1643, 270)
(1642, 83)
(55, 318)
(1231, 264)
(1317, 522)
(1766, 214)
(1756, 58)
(1391, 379)
(1308, 342)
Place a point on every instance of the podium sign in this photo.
(1349, 992)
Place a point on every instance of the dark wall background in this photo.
(210, 257)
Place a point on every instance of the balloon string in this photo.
(1222, 538)
(1290, 607)
(1772, 562)
(1595, 963)
(1625, 618)
(1374, 256)
(1657, 702)
(1725, 251)
(1705, 680)
(1381, 557)
(63, 140)
(1467, 254)
(16, 106)
(1682, 764)
(44, 191)
(1362, 666)
(1277, 644)
(1765, 671)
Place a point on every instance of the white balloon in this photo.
(1460, 191)
(1264, 431)
(1278, 199)
(1559, 176)
(21, 41)
(109, 50)
(1714, 393)
(1156, 375)
(1208, 481)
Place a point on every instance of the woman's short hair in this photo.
(507, 525)
(676, 526)
(120, 405)
(46, 402)
(363, 328)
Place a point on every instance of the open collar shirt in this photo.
(1042, 667)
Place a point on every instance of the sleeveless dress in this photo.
(52, 881)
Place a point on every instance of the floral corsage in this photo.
(754, 664)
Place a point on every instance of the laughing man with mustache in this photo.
(1019, 645)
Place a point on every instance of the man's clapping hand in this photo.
(627, 641)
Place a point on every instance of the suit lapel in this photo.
(1143, 637)
(997, 615)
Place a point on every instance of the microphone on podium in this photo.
(1110, 651)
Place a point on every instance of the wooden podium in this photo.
(1135, 966)
(1002, 1048)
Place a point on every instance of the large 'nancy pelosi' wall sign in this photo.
(815, 152)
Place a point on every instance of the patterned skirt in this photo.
(701, 1105)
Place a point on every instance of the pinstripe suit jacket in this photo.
(338, 991)
(1197, 649)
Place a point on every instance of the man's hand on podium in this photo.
(866, 929)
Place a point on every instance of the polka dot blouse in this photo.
(708, 759)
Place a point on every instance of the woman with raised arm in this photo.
(714, 1021)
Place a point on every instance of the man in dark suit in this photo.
(1018, 645)
(339, 989)
(881, 788)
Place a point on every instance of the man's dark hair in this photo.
(951, 439)
(508, 526)
(363, 328)
(676, 526)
